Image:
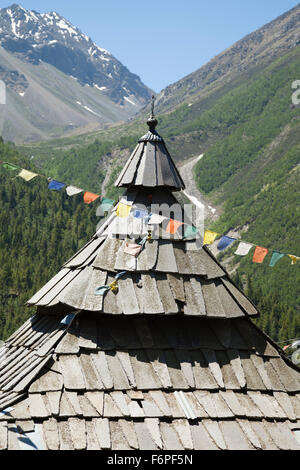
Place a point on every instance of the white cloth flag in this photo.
(72, 190)
(243, 249)
(156, 219)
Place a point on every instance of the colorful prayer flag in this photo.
(140, 214)
(275, 257)
(10, 166)
(90, 197)
(106, 204)
(225, 242)
(123, 210)
(56, 185)
(27, 175)
(189, 231)
(259, 254)
(156, 219)
(173, 226)
(73, 190)
(243, 249)
(294, 258)
(132, 249)
(209, 237)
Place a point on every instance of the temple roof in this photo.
(167, 357)
(150, 164)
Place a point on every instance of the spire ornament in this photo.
(152, 121)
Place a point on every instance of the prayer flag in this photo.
(123, 210)
(173, 226)
(209, 237)
(132, 249)
(225, 242)
(90, 197)
(73, 190)
(140, 214)
(106, 204)
(259, 254)
(27, 175)
(10, 166)
(294, 258)
(189, 231)
(101, 290)
(243, 249)
(275, 257)
(156, 219)
(55, 185)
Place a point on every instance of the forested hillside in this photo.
(39, 230)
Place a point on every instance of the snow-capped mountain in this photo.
(29, 41)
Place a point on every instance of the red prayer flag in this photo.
(259, 254)
(173, 226)
(90, 197)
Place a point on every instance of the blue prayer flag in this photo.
(275, 257)
(55, 185)
(225, 242)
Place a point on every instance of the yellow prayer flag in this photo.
(209, 237)
(123, 210)
(294, 258)
(27, 175)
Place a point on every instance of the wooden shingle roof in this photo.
(169, 360)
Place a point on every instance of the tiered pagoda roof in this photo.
(170, 359)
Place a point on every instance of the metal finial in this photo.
(152, 106)
(152, 122)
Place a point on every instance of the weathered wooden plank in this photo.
(145, 439)
(202, 375)
(126, 296)
(93, 302)
(78, 433)
(74, 294)
(166, 295)
(237, 367)
(177, 377)
(101, 365)
(170, 437)
(51, 435)
(232, 401)
(229, 377)
(149, 176)
(249, 433)
(213, 429)
(253, 379)
(65, 441)
(110, 304)
(159, 398)
(48, 381)
(211, 266)
(213, 305)
(87, 408)
(91, 377)
(240, 297)
(201, 438)
(118, 439)
(120, 401)
(262, 402)
(150, 408)
(129, 432)
(166, 261)
(120, 381)
(37, 406)
(58, 278)
(65, 406)
(177, 287)
(103, 432)
(25, 426)
(194, 302)
(82, 255)
(54, 402)
(91, 437)
(53, 295)
(234, 436)
(285, 402)
(97, 400)
(148, 296)
(282, 436)
(182, 428)
(124, 359)
(263, 435)
(128, 172)
(21, 382)
(72, 373)
(144, 374)
(160, 365)
(186, 366)
(260, 367)
(107, 252)
(230, 306)
(3, 436)
(213, 365)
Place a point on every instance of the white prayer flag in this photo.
(72, 190)
(27, 175)
(156, 219)
(243, 249)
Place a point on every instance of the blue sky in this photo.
(163, 40)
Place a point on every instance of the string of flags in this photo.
(124, 209)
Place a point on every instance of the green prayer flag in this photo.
(106, 204)
(189, 231)
(10, 166)
(275, 257)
